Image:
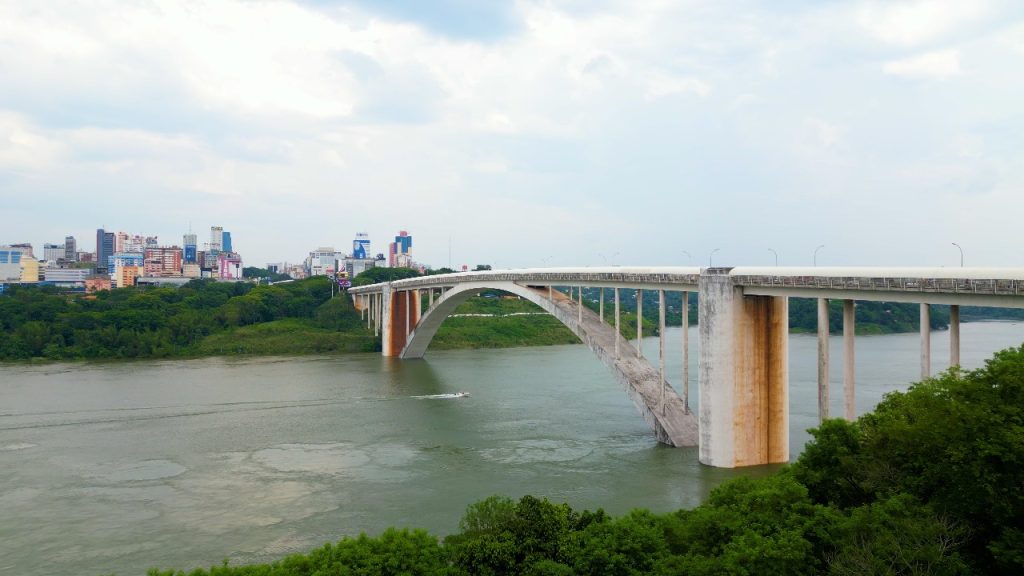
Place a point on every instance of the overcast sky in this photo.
(558, 132)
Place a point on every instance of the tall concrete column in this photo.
(849, 332)
(661, 344)
(551, 293)
(686, 351)
(954, 335)
(823, 365)
(926, 341)
(618, 331)
(579, 307)
(600, 305)
(744, 374)
(408, 312)
(639, 323)
(430, 298)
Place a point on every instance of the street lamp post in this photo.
(961, 254)
(689, 258)
(710, 256)
(776, 256)
(816, 254)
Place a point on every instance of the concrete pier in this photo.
(744, 374)
(849, 333)
(954, 335)
(661, 343)
(926, 341)
(639, 323)
(618, 331)
(686, 350)
(823, 360)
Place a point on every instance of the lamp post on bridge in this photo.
(816, 254)
(961, 254)
(689, 258)
(776, 256)
(710, 256)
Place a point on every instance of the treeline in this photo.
(158, 322)
(931, 482)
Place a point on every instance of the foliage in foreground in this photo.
(931, 482)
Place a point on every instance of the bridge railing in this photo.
(574, 278)
(995, 286)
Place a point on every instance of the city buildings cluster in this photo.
(122, 259)
(327, 261)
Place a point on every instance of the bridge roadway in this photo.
(744, 327)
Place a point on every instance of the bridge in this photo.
(743, 317)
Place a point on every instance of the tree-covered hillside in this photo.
(169, 322)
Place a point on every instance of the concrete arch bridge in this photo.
(744, 328)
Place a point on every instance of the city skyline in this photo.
(527, 133)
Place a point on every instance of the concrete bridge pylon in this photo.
(658, 403)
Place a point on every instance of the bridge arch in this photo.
(661, 407)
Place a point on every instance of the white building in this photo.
(53, 252)
(323, 261)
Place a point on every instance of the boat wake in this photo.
(450, 396)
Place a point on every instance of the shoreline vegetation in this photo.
(206, 318)
(930, 482)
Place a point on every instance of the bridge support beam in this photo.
(926, 341)
(744, 374)
(686, 351)
(954, 336)
(823, 360)
(400, 315)
(618, 330)
(639, 323)
(849, 332)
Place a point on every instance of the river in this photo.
(119, 467)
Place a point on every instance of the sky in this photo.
(522, 133)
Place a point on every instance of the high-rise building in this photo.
(216, 239)
(70, 249)
(163, 261)
(225, 243)
(104, 250)
(400, 251)
(361, 246)
(53, 252)
(191, 249)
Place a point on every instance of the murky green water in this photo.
(121, 467)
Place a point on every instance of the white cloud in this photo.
(24, 147)
(941, 65)
(295, 127)
(914, 22)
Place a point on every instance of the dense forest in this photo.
(201, 318)
(930, 482)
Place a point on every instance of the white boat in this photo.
(461, 395)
